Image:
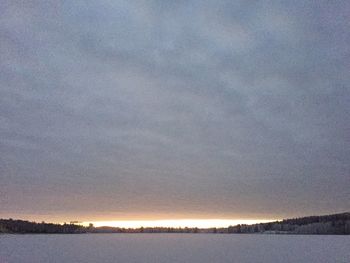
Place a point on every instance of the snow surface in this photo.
(201, 248)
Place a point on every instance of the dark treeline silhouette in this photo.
(107, 229)
(20, 226)
(329, 224)
(338, 224)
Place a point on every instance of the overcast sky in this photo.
(165, 109)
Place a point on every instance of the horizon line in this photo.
(176, 223)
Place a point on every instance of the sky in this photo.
(135, 110)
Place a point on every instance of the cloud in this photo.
(189, 107)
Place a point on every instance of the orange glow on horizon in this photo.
(200, 223)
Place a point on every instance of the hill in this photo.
(338, 224)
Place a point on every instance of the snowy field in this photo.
(166, 248)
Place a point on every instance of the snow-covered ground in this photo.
(169, 248)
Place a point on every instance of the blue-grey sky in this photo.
(220, 109)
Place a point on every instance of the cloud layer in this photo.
(211, 108)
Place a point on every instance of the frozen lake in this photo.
(151, 248)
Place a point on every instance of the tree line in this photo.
(23, 227)
(328, 224)
(338, 224)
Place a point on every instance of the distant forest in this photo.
(336, 224)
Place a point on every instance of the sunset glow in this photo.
(200, 223)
